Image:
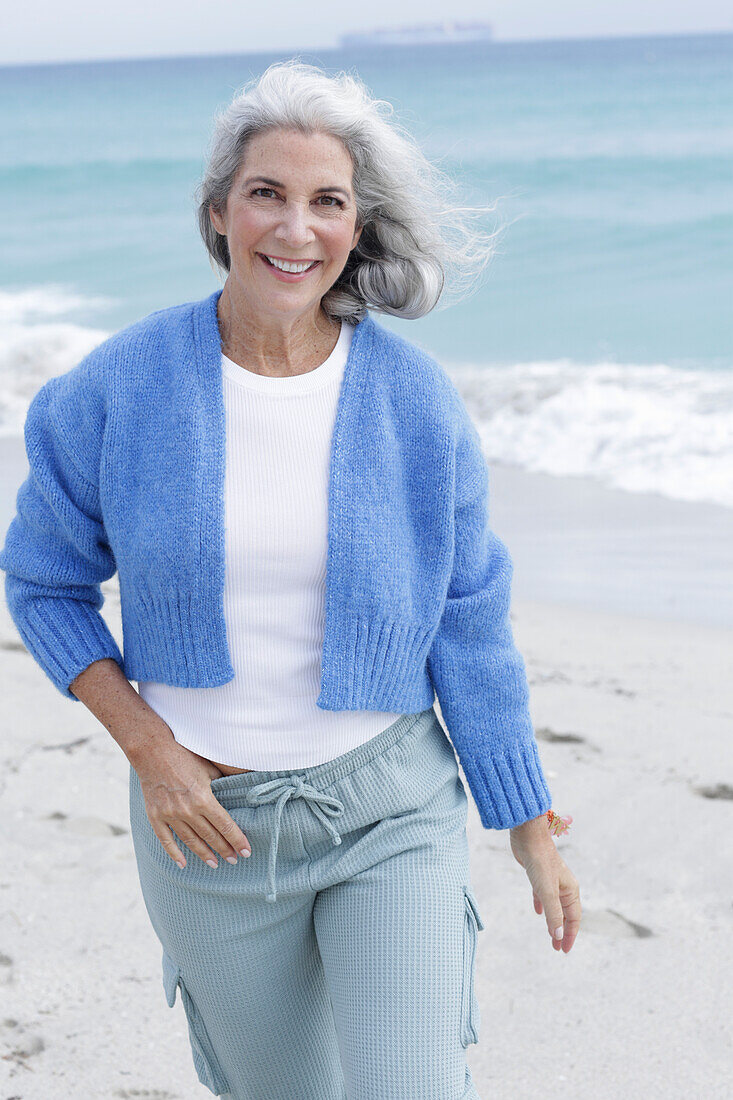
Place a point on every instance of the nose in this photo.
(294, 226)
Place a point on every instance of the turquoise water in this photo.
(600, 341)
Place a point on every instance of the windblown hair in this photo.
(416, 239)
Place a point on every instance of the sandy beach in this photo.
(622, 611)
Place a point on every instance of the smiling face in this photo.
(291, 201)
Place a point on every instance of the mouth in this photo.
(289, 276)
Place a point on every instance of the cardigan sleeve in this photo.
(56, 555)
(477, 672)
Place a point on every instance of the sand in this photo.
(622, 610)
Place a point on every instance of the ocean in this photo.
(599, 344)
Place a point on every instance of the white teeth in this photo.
(283, 265)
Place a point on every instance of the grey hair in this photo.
(415, 239)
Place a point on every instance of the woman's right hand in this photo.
(176, 785)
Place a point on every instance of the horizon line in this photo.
(279, 51)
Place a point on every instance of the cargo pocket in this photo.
(204, 1059)
(470, 1012)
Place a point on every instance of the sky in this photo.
(77, 30)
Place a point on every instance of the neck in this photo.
(278, 347)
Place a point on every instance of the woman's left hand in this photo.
(554, 886)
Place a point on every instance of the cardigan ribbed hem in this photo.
(376, 664)
(372, 667)
(161, 645)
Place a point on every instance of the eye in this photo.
(333, 199)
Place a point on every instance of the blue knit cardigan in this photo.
(126, 454)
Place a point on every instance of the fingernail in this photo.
(245, 852)
(212, 863)
(558, 933)
(180, 863)
(231, 859)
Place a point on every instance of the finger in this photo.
(191, 837)
(537, 903)
(226, 826)
(555, 919)
(573, 912)
(210, 832)
(165, 836)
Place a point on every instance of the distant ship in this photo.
(420, 34)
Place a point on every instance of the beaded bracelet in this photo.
(557, 824)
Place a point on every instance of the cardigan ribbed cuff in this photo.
(484, 701)
(65, 636)
(508, 785)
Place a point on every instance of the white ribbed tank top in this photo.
(278, 445)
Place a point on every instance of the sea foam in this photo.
(635, 427)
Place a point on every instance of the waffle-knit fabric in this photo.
(357, 982)
(126, 455)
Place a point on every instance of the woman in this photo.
(295, 499)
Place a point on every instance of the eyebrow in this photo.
(274, 183)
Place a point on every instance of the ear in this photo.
(357, 234)
(217, 221)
